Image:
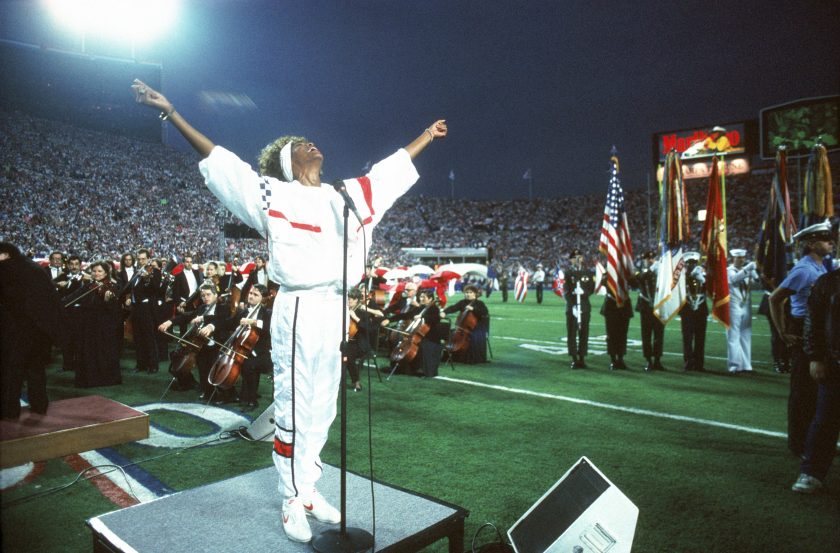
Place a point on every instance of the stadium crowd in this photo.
(97, 195)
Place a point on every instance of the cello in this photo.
(460, 339)
(227, 366)
(410, 343)
(183, 358)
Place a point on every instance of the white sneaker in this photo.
(294, 521)
(316, 506)
(734, 369)
(806, 484)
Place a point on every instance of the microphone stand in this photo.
(343, 540)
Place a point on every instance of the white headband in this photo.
(286, 161)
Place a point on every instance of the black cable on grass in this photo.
(43, 493)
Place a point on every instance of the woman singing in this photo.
(302, 218)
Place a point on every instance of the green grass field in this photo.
(703, 455)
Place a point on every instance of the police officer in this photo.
(693, 314)
(578, 286)
(653, 329)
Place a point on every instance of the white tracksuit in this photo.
(304, 228)
(739, 334)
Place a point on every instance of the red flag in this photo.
(713, 245)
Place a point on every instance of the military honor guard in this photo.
(578, 286)
(694, 314)
(653, 329)
(742, 279)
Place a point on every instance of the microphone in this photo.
(342, 190)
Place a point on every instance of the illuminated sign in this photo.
(726, 139)
(798, 125)
(703, 169)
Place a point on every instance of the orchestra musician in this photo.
(401, 303)
(186, 282)
(476, 351)
(163, 306)
(258, 317)
(56, 266)
(126, 271)
(212, 275)
(142, 294)
(69, 286)
(101, 316)
(258, 275)
(427, 313)
(359, 345)
(206, 319)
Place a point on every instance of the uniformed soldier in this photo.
(653, 329)
(578, 286)
(742, 278)
(694, 314)
(539, 281)
(617, 321)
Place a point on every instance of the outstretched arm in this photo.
(435, 130)
(144, 94)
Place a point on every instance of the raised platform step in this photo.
(243, 514)
(70, 426)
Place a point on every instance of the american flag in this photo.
(615, 238)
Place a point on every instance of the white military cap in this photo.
(818, 229)
(738, 252)
(692, 256)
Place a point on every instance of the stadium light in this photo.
(136, 21)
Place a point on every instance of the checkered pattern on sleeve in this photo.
(265, 192)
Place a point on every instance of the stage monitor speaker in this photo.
(262, 429)
(582, 513)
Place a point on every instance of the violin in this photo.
(227, 366)
(85, 292)
(410, 343)
(102, 288)
(460, 339)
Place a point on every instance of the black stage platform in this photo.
(242, 514)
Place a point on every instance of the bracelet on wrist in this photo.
(431, 136)
(166, 115)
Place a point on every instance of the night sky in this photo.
(546, 86)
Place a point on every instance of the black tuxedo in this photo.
(31, 319)
(252, 280)
(181, 288)
(260, 360)
(207, 355)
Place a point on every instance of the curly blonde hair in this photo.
(269, 157)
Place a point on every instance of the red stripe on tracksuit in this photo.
(301, 226)
(283, 449)
(367, 192)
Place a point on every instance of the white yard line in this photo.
(633, 410)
